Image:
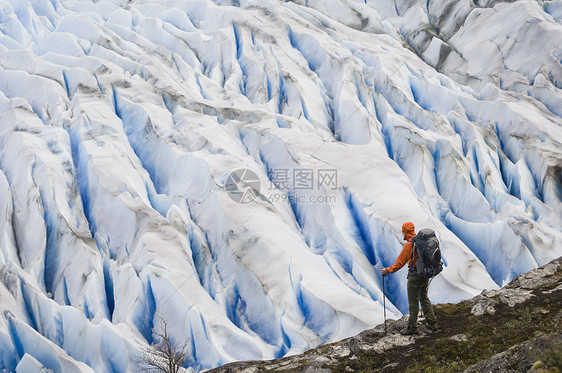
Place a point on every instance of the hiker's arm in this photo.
(403, 258)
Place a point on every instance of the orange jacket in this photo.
(406, 254)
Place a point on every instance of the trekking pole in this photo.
(384, 302)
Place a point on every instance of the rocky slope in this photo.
(515, 329)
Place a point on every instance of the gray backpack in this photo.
(429, 262)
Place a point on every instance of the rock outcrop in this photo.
(507, 330)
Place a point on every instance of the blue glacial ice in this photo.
(121, 121)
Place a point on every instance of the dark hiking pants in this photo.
(417, 293)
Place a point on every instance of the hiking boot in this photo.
(432, 326)
(409, 331)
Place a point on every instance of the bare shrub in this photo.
(163, 356)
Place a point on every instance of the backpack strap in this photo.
(412, 268)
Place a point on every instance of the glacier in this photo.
(121, 122)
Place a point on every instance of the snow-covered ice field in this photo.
(121, 122)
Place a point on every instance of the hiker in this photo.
(417, 286)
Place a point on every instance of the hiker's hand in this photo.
(383, 271)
